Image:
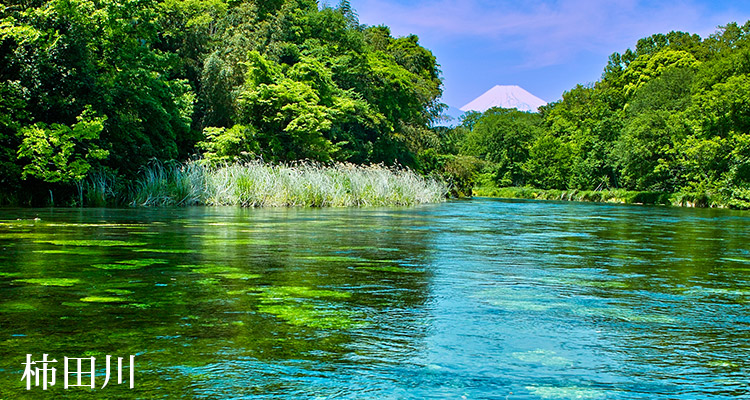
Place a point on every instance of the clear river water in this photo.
(474, 299)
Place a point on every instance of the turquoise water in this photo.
(477, 299)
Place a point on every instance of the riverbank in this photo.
(256, 184)
(248, 184)
(735, 199)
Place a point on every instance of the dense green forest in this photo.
(94, 90)
(671, 116)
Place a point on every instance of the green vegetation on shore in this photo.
(97, 97)
(91, 92)
(668, 123)
(618, 196)
(261, 185)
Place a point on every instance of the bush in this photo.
(256, 184)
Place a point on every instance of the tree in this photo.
(222, 145)
(60, 153)
(290, 115)
(503, 137)
(549, 163)
(643, 151)
(648, 67)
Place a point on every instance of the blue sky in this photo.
(544, 46)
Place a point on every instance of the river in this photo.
(474, 299)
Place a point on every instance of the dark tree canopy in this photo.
(287, 79)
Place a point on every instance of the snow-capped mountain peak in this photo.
(508, 96)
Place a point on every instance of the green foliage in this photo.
(222, 145)
(648, 67)
(12, 113)
(170, 184)
(668, 123)
(289, 80)
(67, 55)
(549, 163)
(641, 151)
(725, 109)
(288, 110)
(502, 137)
(671, 91)
(311, 85)
(60, 153)
(461, 172)
(278, 80)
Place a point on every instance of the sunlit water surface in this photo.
(480, 299)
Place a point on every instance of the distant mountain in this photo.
(505, 97)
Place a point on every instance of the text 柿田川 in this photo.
(77, 372)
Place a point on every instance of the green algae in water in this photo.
(81, 251)
(116, 266)
(547, 358)
(139, 306)
(119, 291)
(224, 271)
(235, 241)
(241, 276)
(210, 268)
(309, 316)
(17, 306)
(287, 303)
(737, 260)
(371, 248)
(566, 392)
(74, 305)
(21, 235)
(605, 284)
(101, 299)
(92, 243)
(50, 281)
(144, 261)
(207, 281)
(602, 284)
(287, 292)
(19, 222)
(132, 264)
(722, 364)
(712, 292)
(166, 251)
(103, 225)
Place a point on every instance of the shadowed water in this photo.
(481, 299)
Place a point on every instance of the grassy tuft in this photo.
(170, 185)
(256, 184)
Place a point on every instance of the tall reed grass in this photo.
(256, 184)
(171, 184)
(99, 189)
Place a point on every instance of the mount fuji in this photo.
(509, 96)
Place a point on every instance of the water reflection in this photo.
(481, 298)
